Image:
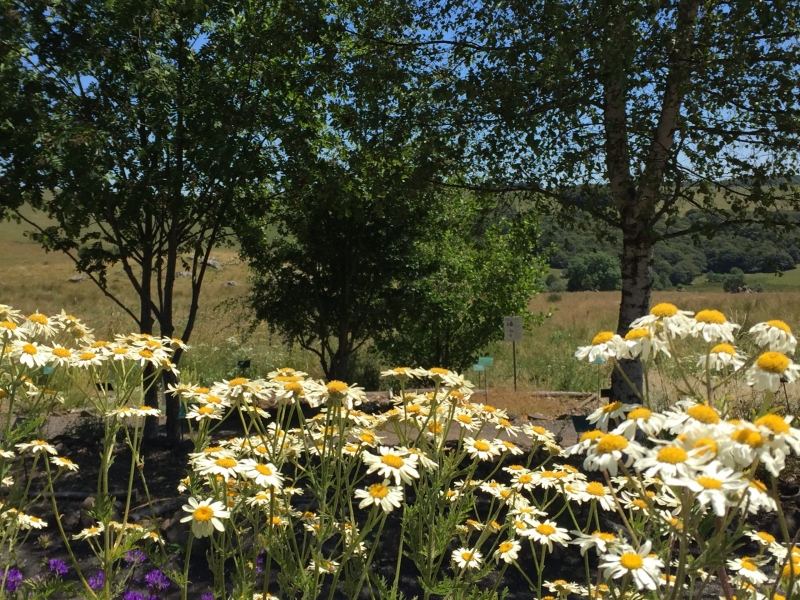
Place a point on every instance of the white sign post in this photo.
(512, 332)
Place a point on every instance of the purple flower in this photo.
(156, 580)
(207, 596)
(132, 596)
(97, 581)
(13, 580)
(134, 556)
(59, 567)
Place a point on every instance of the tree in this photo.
(139, 128)
(332, 257)
(630, 112)
(481, 267)
(593, 271)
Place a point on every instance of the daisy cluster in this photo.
(657, 332)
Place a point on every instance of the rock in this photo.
(213, 262)
(78, 278)
(230, 284)
(88, 503)
(174, 531)
(183, 274)
(71, 520)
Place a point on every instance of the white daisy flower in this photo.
(547, 532)
(39, 324)
(747, 569)
(642, 343)
(769, 370)
(386, 496)
(507, 551)
(641, 418)
(392, 462)
(467, 559)
(593, 491)
(609, 451)
(667, 461)
(714, 485)
(720, 358)
(11, 331)
(605, 346)
(90, 532)
(625, 560)
(667, 318)
(63, 463)
(30, 354)
(36, 446)
(775, 335)
(265, 475)
(205, 516)
(225, 465)
(612, 410)
(205, 411)
(482, 449)
(87, 358)
(599, 540)
(30, 522)
(713, 326)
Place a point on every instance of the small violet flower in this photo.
(59, 567)
(97, 581)
(13, 580)
(156, 580)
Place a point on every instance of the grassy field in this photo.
(31, 280)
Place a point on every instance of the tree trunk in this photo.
(146, 326)
(637, 283)
(173, 407)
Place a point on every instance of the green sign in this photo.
(477, 367)
(485, 361)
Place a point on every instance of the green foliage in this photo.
(595, 271)
(481, 270)
(733, 282)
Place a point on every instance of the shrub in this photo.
(734, 282)
(595, 271)
(553, 297)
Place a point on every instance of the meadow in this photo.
(31, 280)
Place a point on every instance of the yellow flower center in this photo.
(287, 378)
(672, 455)
(506, 423)
(264, 470)
(439, 371)
(631, 561)
(466, 556)
(640, 413)
(709, 483)
(606, 537)
(525, 478)
(99, 344)
(704, 414)
(590, 436)
(62, 352)
(612, 406)
(413, 408)
(482, 446)
(710, 316)
(237, 381)
(225, 463)
(294, 386)
(435, 428)
(748, 564)
(705, 445)
(38, 319)
(545, 529)
(637, 334)
(464, 418)
(758, 485)
(773, 362)
(665, 309)
(611, 442)
(276, 521)
(791, 571)
(145, 353)
(367, 437)
(93, 529)
(723, 349)
(377, 490)
(152, 344)
(8, 325)
(602, 337)
(774, 423)
(639, 503)
(780, 325)
(766, 537)
(595, 488)
(203, 514)
(505, 547)
(120, 350)
(336, 387)
(748, 437)
(29, 349)
(392, 460)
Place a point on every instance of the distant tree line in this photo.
(590, 257)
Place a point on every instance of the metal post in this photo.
(514, 351)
